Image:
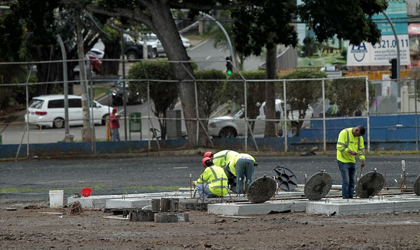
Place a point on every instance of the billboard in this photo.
(367, 54)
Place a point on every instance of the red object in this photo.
(86, 192)
(205, 162)
(96, 63)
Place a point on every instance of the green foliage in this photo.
(209, 92)
(263, 23)
(350, 20)
(301, 94)
(349, 94)
(163, 93)
(234, 90)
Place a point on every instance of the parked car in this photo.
(134, 49)
(234, 125)
(118, 95)
(99, 53)
(95, 63)
(160, 50)
(48, 111)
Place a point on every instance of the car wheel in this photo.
(104, 119)
(131, 56)
(58, 123)
(228, 132)
(154, 54)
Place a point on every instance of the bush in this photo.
(210, 92)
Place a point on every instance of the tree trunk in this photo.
(270, 110)
(112, 51)
(87, 131)
(166, 31)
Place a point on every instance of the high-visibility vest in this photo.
(347, 141)
(232, 163)
(216, 178)
(223, 158)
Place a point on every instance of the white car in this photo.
(234, 124)
(160, 50)
(48, 111)
(99, 53)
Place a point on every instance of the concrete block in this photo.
(254, 209)
(171, 217)
(361, 206)
(89, 202)
(127, 203)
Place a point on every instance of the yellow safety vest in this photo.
(232, 163)
(347, 141)
(217, 180)
(222, 158)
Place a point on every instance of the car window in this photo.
(55, 104)
(36, 103)
(75, 103)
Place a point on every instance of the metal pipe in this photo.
(324, 126)
(397, 43)
(65, 88)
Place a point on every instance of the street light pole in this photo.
(397, 43)
(226, 36)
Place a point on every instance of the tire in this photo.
(58, 123)
(104, 119)
(132, 55)
(228, 132)
(154, 54)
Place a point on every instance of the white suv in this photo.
(48, 111)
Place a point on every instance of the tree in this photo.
(265, 24)
(210, 91)
(301, 94)
(350, 94)
(271, 18)
(164, 94)
(234, 90)
(349, 20)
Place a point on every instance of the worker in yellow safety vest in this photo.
(213, 181)
(222, 159)
(242, 167)
(350, 143)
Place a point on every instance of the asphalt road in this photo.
(31, 180)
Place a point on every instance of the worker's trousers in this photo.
(244, 171)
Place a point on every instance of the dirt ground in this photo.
(40, 227)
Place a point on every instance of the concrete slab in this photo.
(99, 201)
(363, 206)
(247, 208)
(127, 203)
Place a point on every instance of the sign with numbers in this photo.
(367, 54)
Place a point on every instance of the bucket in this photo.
(56, 198)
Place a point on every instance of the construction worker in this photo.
(213, 181)
(350, 143)
(222, 159)
(242, 167)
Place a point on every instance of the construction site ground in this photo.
(36, 226)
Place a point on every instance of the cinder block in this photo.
(171, 217)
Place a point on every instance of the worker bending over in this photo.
(213, 181)
(242, 167)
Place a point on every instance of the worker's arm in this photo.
(341, 143)
(203, 177)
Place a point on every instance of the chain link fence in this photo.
(311, 111)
